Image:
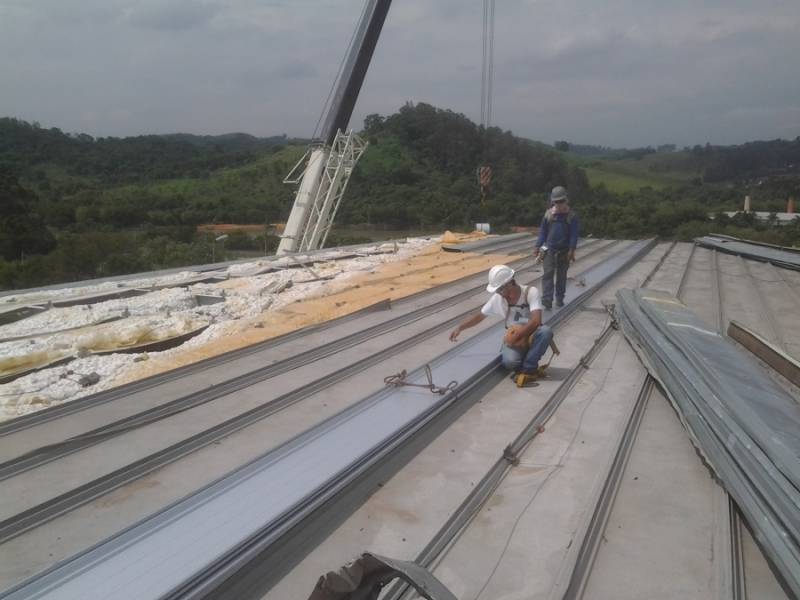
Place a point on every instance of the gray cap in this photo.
(558, 193)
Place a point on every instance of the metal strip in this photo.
(716, 292)
(658, 264)
(774, 357)
(739, 584)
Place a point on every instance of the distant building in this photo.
(783, 218)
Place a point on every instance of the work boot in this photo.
(547, 305)
(526, 380)
(559, 302)
(523, 379)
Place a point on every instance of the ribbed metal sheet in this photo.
(744, 423)
(487, 243)
(161, 553)
(786, 258)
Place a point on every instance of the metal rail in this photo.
(289, 526)
(597, 526)
(660, 262)
(738, 583)
(716, 292)
(684, 276)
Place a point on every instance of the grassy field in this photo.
(658, 171)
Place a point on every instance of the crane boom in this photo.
(327, 165)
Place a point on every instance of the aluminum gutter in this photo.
(221, 528)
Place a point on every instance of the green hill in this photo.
(74, 207)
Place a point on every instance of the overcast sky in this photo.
(610, 72)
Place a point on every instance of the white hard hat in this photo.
(499, 275)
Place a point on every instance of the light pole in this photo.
(222, 239)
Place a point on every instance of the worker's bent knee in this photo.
(545, 332)
(511, 358)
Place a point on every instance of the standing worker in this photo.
(526, 339)
(558, 237)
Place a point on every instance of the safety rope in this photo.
(399, 380)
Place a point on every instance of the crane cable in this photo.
(487, 67)
(487, 83)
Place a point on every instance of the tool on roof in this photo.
(399, 380)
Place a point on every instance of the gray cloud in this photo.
(173, 15)
(620, 72)
(297, 70)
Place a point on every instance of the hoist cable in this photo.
(483, 62)
(487, 65)
(490, 69)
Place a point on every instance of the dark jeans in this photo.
(555, 263)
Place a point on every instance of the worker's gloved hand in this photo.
(454, 334)
(571, 256)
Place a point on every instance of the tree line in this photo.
(75, 207)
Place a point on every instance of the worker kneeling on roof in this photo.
(526, 339)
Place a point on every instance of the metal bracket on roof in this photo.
(365, 577)
(510, 456)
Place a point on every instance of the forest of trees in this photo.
(74, 207)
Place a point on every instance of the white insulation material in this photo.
(76, 332)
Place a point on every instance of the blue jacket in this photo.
(559, 231)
